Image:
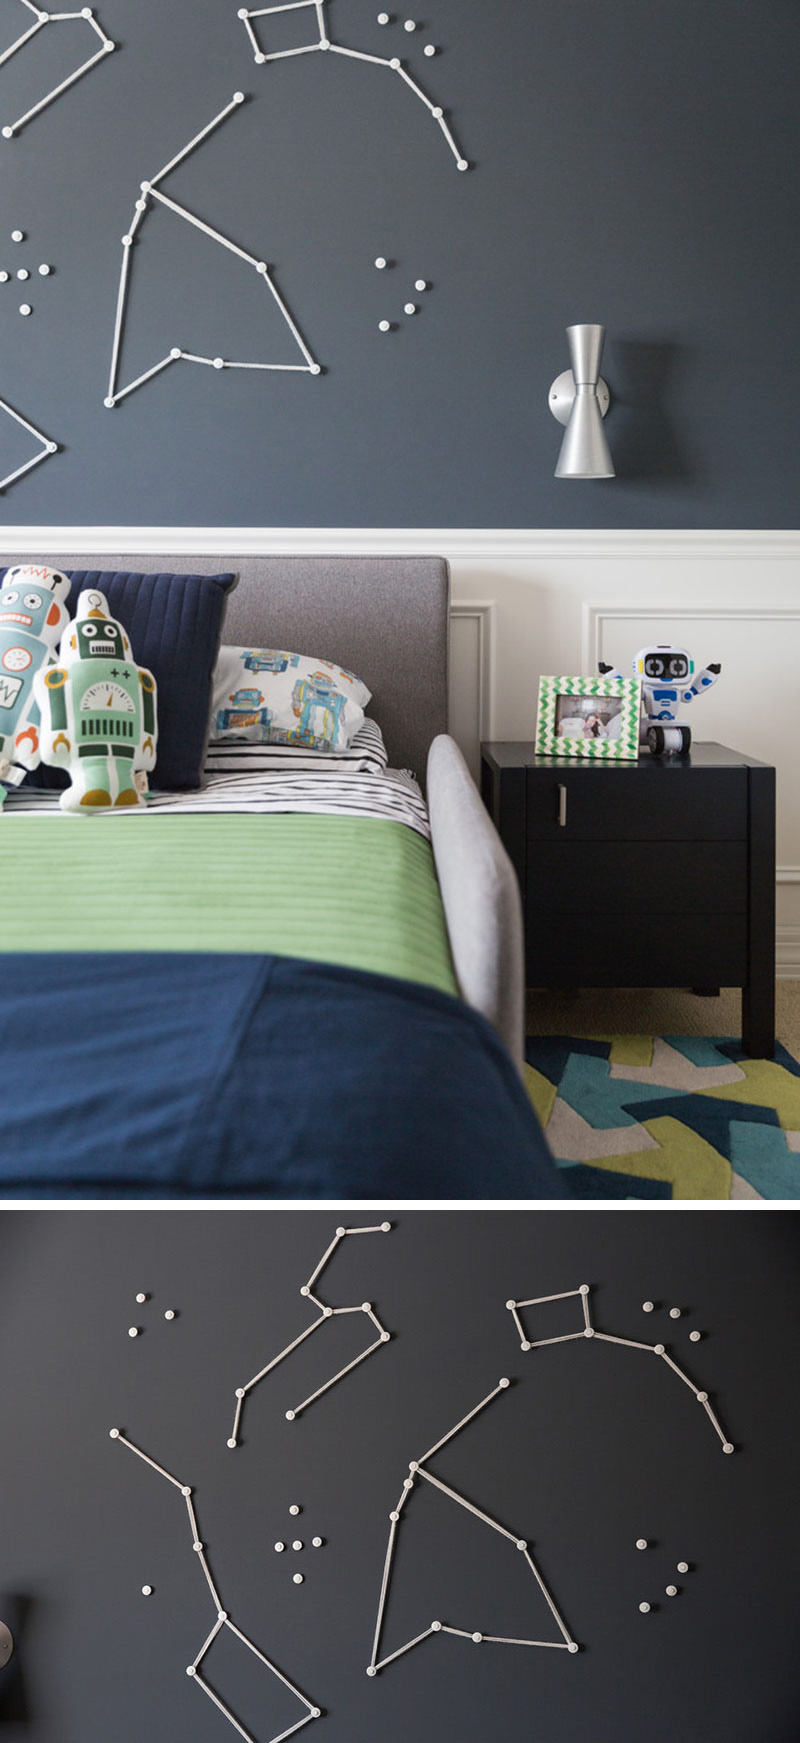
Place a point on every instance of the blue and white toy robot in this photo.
(245, 711)
(269, 660)
(32, 618)
(664, 671)
(317, 704)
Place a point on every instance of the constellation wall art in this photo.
(46, 447)
(41, 20)
(223, 1618)
(152, 194)
(588, 1330)
(312, 15)
(21, 275)
(419, 1474)
(324, 1314)
(309, 14)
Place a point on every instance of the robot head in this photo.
(31, 600)
(664, 664)
(94, 634)
(265, 660)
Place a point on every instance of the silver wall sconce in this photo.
(6, 1644)
(580, 399)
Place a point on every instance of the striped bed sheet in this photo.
(365, 754)
(392, 794)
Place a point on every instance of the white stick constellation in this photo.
(324, 1313)
(48, 447)
(223, 1616)
(151, 191)
(324, 44)
(589, 1331)
(418, 1469)
(41, 19)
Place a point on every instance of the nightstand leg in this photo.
(758, 996)
(758, 1020)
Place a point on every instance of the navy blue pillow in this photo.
(174, 623)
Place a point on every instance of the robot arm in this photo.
(54, 736)
(26, 740)
(609, 671)
(702, 681)
(149, 731)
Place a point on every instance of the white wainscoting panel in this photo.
(471, 676)
(529, 602)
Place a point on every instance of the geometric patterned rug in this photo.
(667, 1116)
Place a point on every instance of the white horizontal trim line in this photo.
(787, 874)
(594, 616)
(463, 543)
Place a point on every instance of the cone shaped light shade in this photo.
(584, 450)
(585, 352)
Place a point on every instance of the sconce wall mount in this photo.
(580, 398)
(6, 1644)
(562, 396)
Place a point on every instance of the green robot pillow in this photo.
(98, 712)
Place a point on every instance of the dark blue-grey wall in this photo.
(592, 1447)
(632, 164)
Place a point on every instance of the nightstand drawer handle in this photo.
(562, 805)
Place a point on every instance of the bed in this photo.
(269, 994)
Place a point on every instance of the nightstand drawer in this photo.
(659, 872)
(667, 949)
(645, 802)
(635, 877)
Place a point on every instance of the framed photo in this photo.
(589, 717)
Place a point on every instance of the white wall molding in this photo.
(594, 617)
(480, 612)
(459, 543)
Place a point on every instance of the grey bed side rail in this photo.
(480, 894)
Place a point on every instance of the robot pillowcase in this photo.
(92, 712)
(32, 619)
(98, 713)
(265, 696)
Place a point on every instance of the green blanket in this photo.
(359, 892)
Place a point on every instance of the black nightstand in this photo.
(654, 873)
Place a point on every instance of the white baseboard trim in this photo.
(787, 954)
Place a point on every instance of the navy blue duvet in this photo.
(175, 1075)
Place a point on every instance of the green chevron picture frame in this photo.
(597, 718)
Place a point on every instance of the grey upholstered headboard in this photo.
(386, 618)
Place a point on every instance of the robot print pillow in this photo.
(98, 713)
(32, 618)
(267, 696)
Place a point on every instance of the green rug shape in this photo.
(682, 1116)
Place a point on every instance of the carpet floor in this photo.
(647, 1094)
